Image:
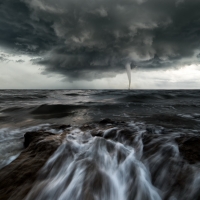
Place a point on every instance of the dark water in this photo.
(21, 108)
(168, 114)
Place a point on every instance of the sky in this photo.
(86, 44)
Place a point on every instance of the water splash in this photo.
(87, 167)
(121, 163)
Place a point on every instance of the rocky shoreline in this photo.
(17, 178)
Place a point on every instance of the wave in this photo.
(11, 109)
(55, 108)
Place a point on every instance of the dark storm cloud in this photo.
(19, 33)
(85, 39)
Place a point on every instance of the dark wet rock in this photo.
(106, 121)
(17, 178)
(189, 147)
(86, 127)
(61, 127)
(64, 126)
(97, 133)
(34, 137)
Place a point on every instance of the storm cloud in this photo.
(85, 39)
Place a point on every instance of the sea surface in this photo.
(165, 113)
(23, 108)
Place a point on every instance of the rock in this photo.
(64, 126)
(189, 147)
(86, 127)
(17, 178)
(106, 121)
(96, 133)
(34, 137)
(61, 127)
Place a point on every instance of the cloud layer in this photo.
(86, 39)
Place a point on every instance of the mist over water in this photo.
(149, 150)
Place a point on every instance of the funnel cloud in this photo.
(128, 69)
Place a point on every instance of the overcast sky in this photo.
(87, 43)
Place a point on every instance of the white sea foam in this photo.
(86, 167)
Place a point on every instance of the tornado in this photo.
(128, 70)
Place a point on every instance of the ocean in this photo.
(136, 146)
(23, 108)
